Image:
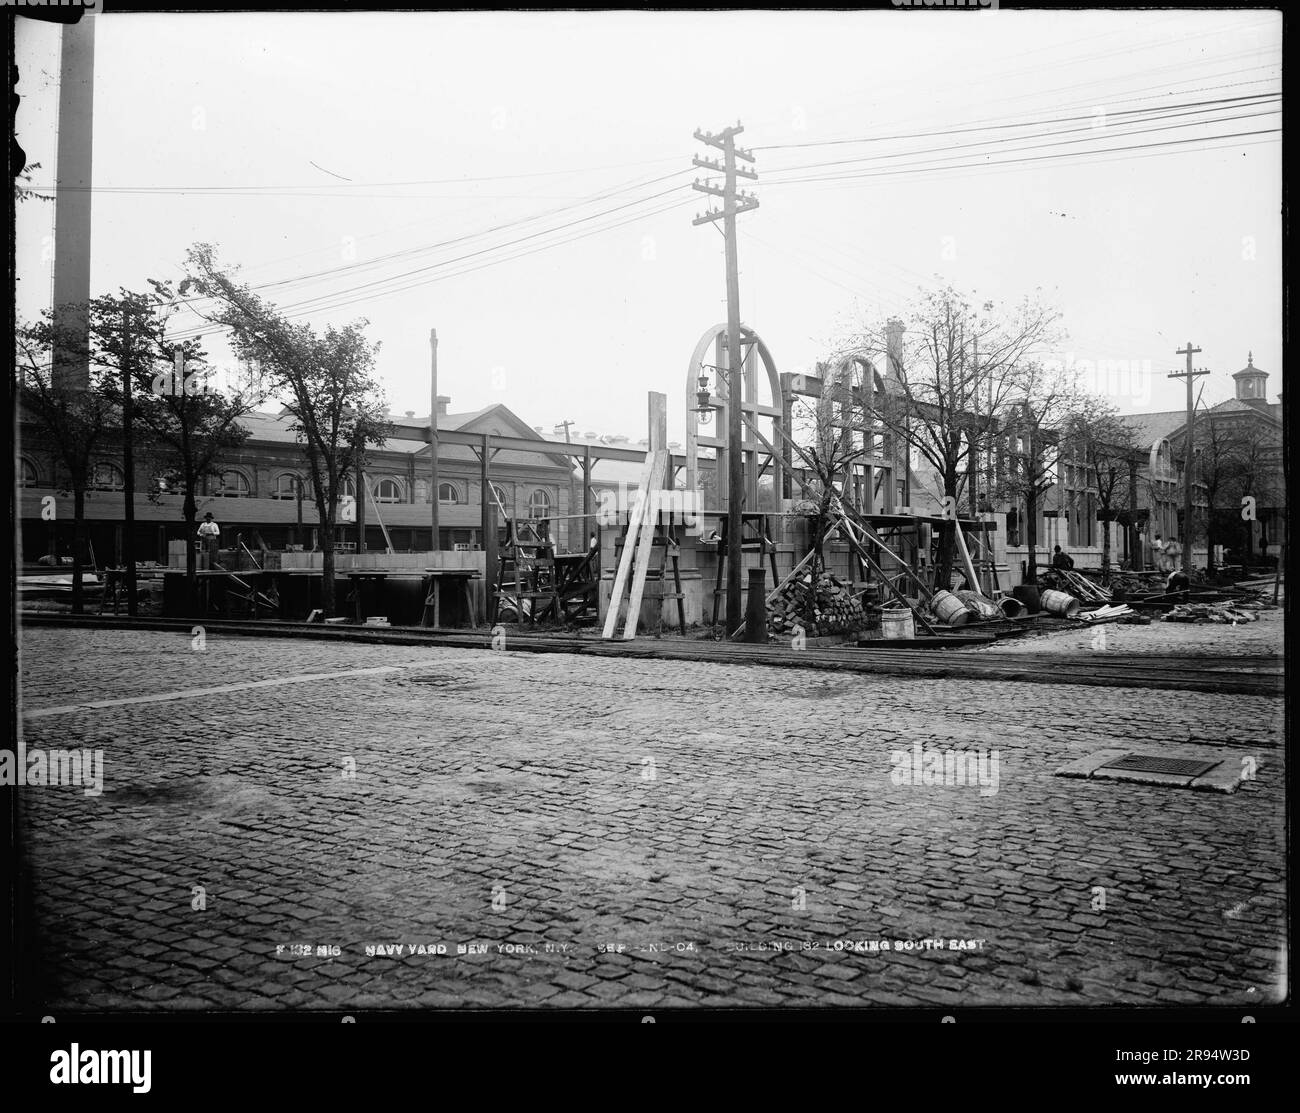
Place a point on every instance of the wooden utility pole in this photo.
(128, 467)
(565, 425)
(733, 204)
(1189, 451)
(433, 435)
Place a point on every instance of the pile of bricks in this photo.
(820, 606)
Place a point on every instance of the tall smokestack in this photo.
(72, 202)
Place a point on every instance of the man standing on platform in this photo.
(210, 538)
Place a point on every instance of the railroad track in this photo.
(1256, 676)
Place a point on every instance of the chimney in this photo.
(443, 401)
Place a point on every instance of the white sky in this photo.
(1141, 250)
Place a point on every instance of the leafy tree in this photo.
(76, 417)
(326, 382)
(185, 424)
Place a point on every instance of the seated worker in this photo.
(1061, 561)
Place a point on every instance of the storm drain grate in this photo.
(1176, 766)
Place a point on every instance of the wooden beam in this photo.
(645, 543)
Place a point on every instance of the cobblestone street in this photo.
(631, 833)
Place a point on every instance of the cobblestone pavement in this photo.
(541, 807)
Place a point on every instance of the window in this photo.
(388, 490)
(29, 476)
(501, 496)
(346, 487)
(233, 485)
(539, 504)
(107, 477)
(447, 493)
(286, 487)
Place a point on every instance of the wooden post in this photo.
(586, 498)
(433, 436)
(128, 471)
(488, 529)
(756, 608)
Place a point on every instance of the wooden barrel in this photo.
(950, 609)
(1011, 607)
(1058, 603)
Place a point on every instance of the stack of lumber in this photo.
(820, 606)
(1109, 613)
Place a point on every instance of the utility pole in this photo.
(128, 467)
(733, 204)
(1189, 446)
(565, 425)
(433, 434)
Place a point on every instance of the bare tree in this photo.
(1044, 402)
(953, 372)
(1104, 445)
(326, 381)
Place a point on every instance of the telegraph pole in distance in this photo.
(733, 204)
(433, 434)
(566, 425)
(128, 468)
(1188, 451)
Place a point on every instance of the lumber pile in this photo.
(1078, 585)
(819, 604)
(1113, 612)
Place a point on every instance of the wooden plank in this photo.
(659, 470)
(964, 552)
(634, 519)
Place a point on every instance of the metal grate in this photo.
(1177, 766)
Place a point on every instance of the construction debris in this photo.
(820, 607)
(1112, 613)
(1226, 613)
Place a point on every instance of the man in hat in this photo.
(209, 537)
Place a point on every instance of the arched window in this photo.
(447, 493)
(539, 504)
(233, 485)
(388, 490)
(30, 478)
(286, 487)
(501, 496)
(347, 487)
(107, 477)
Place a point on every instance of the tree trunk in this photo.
(327, 565)
(191, 513)
(1105, 550)
(947, 540)
(78, 548)
(1031, 535)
